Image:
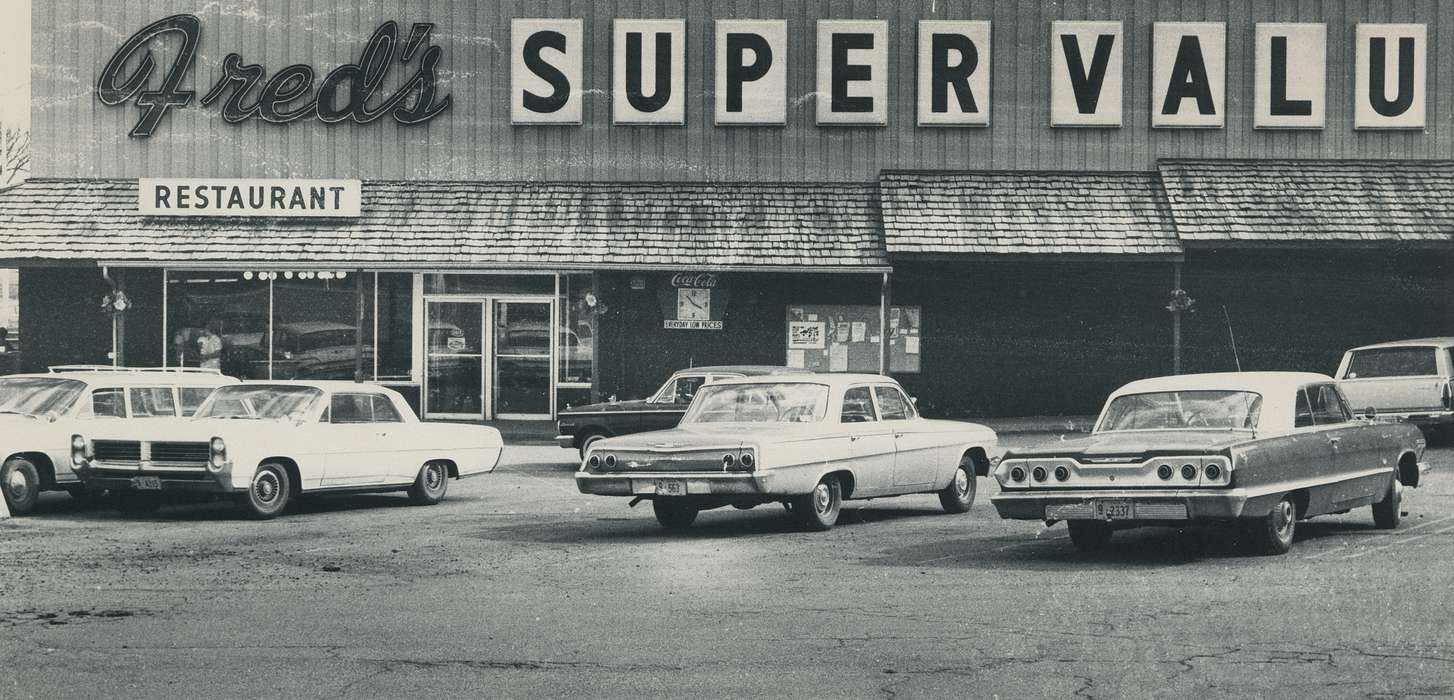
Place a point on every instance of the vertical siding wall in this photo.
(77, 136)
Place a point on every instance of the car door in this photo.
(871, 442)
(913, 449)
(355, 448)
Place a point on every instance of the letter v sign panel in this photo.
(1085, 73)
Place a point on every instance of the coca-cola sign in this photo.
(694, 280)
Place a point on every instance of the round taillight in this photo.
(1213, 472)
(747, 460)
(1188, 471)
(1039, 473)
(1164, 471)
(1017, 474)
(610, 461)
(594, 461)
(728, 460)
(1061, 473)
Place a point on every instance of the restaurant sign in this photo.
(249, 197)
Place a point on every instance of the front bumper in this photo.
(100, 476)
(1165, 504)
(697, 483)
(566, 441)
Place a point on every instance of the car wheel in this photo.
(430, 485)
(1089, 535)
(267, 494)
(1273, 533)
(674, 513)
(20, 481)
(819, 509)
(958, 496)
(589, 440)
(1386, 512)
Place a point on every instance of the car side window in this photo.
(892, 404)
(152, 402)
(351, 408)
(1327, 405)
(857, 406)
(108, 403)
(1303, 417)
(192, 398)
(384, 411)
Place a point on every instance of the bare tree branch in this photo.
(14, 155)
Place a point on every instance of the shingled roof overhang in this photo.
(796, 227)
(1299, 203)
(1007, 214)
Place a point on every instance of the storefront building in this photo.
(503, 210)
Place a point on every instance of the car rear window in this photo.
(1393, 362)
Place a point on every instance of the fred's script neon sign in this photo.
(350, 92)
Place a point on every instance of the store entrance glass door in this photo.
(520, 384)
(454, 381)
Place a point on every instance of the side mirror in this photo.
(1370, 413)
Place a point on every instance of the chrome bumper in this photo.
(102, 476)
(697, 484)
(1157, 504)
(566, 441)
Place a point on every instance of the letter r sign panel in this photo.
(1390, 82)
(1188, 74)
(954, 73)
(751, 75)
(1085, 73)
(1290, 81)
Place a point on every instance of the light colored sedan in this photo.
(807, 441)
(263, 443)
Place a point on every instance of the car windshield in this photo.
(758, 403)
(1183, 410)
(37, 396)
(259, 402)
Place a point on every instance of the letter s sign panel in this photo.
(545, 71)
(954, 73)
(1085, 73)
(1188, 74)
(751, 75)
(1390, 84)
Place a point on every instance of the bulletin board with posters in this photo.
(831, 338)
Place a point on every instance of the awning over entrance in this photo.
(458, 225)
(1227, 203)
(1026, 213)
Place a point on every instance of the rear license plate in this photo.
(1114, 510)
(671, 487)
(146, 483)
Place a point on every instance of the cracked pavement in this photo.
(519, 586)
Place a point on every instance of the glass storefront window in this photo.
(236, 307)
(395, 305)
(315, 327)
(577, 330)
(478, 284)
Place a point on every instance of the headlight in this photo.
(79, 451)
(78, 443)
(218, 446)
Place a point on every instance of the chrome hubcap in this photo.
(265, 487)
(961, 482)
(433, 476)
(822, 498)
(16, 484)
(1285, 517)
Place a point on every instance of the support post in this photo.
(1176, 322)
(883, 325)
(358, 284)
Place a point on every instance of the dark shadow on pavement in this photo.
(639, 525)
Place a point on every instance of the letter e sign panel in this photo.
(751, 76)
(648, 71)
(1189, 74)
(545, 71)
(1390, 84)
(954, 73)
(1290, 80)
(853, 63)
(1085, 73)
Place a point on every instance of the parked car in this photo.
(807, 441)
(1407, 380)
(579, 427)
(263, 443)
(1260, 450)
(40, 412)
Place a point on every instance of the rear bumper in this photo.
(1167, 504)
(697, 484)
(1422, 418)
(566, 441)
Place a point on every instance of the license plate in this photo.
(1114, 510)
(671, 487)
(146, 483)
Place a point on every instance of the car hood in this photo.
(708, 435)
(606, 407)
(1148, 442)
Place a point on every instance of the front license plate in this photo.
(1114, 510)
(146, 483)
(671, 487)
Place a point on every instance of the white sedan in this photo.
(263, 443)
(807, 441)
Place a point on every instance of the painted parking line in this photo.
(1401, 540)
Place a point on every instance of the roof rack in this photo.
(109, 368)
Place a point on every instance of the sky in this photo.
(15, 62)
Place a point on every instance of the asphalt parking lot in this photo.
(519, 586)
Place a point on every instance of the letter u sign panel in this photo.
(1085, 73)
(648, 71)
(1390, 82)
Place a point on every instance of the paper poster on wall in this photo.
(1290, 78)
(911, 345)
(838, 358)
(805, 335)
(853, 61)
(795, 359)
(1085, 73)
(860, 329)
(954, 73)
(751, 85)
(1390, 76)
(648, 71)
(1188, 74)
(545, 71)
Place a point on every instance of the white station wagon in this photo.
(40, 412)
(265, 442)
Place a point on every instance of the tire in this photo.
(588, 440)
(958, 496)
(430, 485)
(1089, 535)
(674, 513)
(267, 494)
(819, 509)
(20, 481)
(1386, 513)
(1273, 533)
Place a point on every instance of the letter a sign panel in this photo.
(1085, 73)
(1390, 78)
(1188, 74)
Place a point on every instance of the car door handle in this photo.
(854, 438)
